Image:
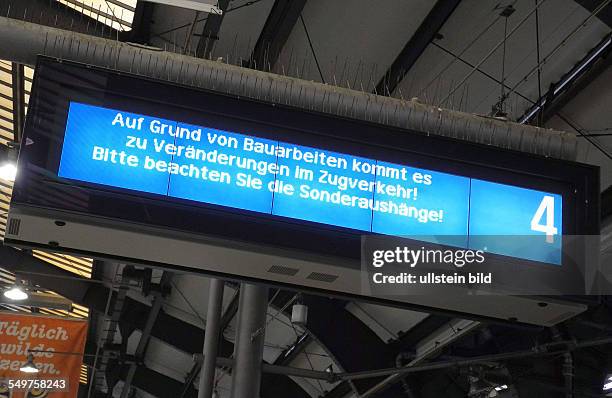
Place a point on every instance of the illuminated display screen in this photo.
(212, 166)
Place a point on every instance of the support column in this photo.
(211, 338)
(252, 309)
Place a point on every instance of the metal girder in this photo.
(406, 343)
(417, 44)
(112, 324)
(230, 311)
(328, 323)
(156, 307)
(605, 15)
(289, 354)
(428, 347)
(278, 369)
(92, 294)
(593, 64)
(279, 24)
(141, 25)
(188, 388)
(210, 32)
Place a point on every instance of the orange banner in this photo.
(53, 343)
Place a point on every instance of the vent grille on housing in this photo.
(318, 276)
(279, 269)
(13, 227)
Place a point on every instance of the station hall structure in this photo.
(305, 198)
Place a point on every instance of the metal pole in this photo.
(18, 100)
(252, 310)
(211, 338)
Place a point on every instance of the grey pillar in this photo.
(211, 338)
(252, 309)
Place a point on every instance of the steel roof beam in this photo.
(158, 300)
(279, 25)
(141, 25)
(92, 294)
(584, 72)
(210, 32)
(591, 5)
(417, 44)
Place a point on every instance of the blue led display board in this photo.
(212, 166)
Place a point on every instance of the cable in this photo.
(561, 44)
(596, 135)
(579, 130)
(484, 73)
(492, 51)
(470, 44)
(314, 55)
(599, 130)
(248, 3)
(537, 26)
(528, 54)
(503, 71)
(112, 11)
(297, 335)
(188, 303)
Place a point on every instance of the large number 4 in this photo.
(546, 206)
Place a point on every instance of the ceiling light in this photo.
(16, 293)
(29, 366)
(8, 161)
(8, 171)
